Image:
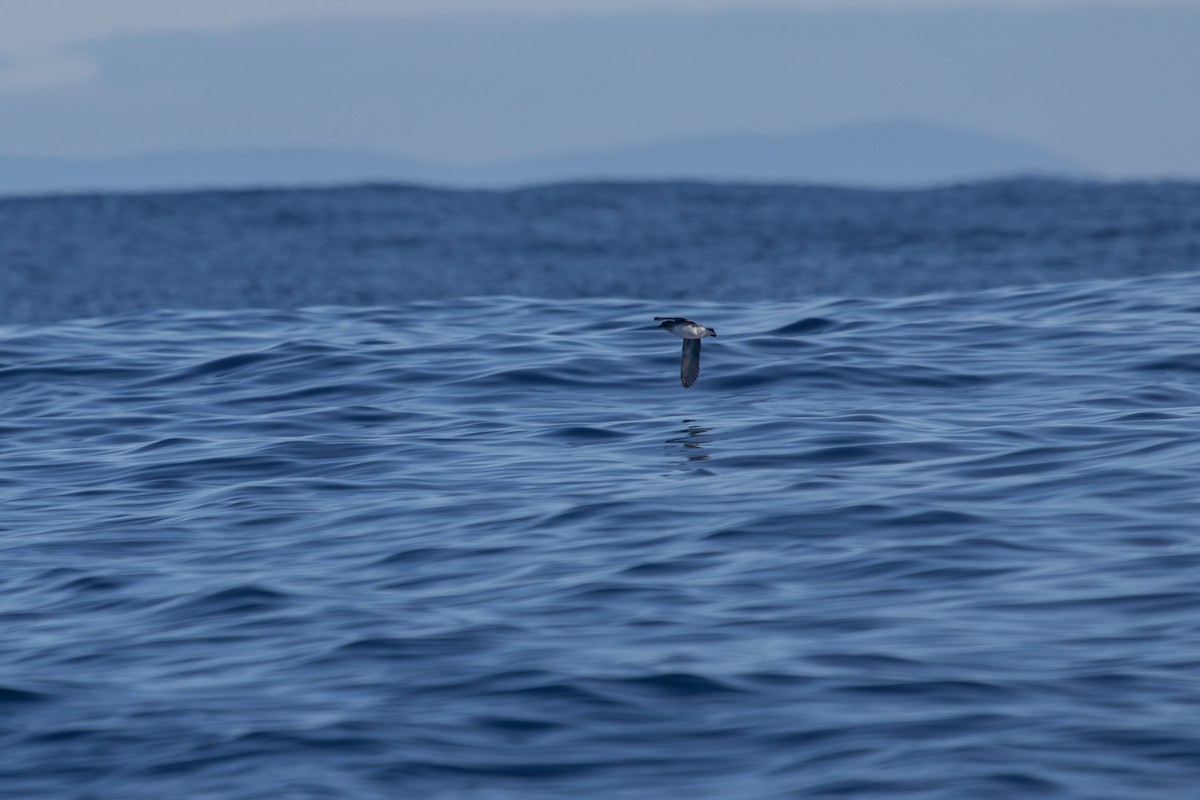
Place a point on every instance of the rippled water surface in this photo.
(942, 546)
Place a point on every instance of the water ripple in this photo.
(934, 547)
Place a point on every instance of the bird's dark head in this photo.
(665, 324)
(712, 331)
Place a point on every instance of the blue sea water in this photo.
(932, 545)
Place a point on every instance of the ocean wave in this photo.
(932, 546)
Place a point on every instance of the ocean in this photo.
(391, 492)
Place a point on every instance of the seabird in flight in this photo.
(691, 333)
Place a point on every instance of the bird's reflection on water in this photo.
(693, 441)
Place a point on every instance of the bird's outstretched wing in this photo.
(689, 367)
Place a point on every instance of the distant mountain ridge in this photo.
(890, 153)
(205, 169)
(883, 154)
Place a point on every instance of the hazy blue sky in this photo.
(1115, 86)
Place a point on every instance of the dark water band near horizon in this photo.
(932, 545)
